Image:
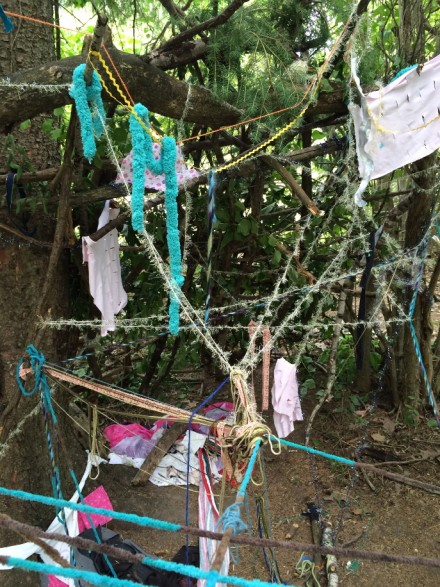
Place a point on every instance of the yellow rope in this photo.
(126, 103)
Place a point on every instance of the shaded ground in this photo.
(366, 513)
(383, 516)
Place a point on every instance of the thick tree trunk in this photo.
(23, 456)
(411, 39)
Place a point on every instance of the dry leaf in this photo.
(356, 511)
(378, 437)
(389, 425)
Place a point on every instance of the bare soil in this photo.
(378, 515)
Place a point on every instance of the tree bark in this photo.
(158, 91)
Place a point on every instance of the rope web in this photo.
(398, 268)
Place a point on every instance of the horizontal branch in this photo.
(45, 87)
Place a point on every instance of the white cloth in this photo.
(208, 518)
(105, 280)
(172, 468)
(398, 124)
(24, 551)
(285, 398)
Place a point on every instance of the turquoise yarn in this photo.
(90, 108)
(143, 159)
(212, 577)
(403, 71)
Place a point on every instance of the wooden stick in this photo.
(158, 452)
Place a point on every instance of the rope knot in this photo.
(231, 519)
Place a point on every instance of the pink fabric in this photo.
(99, 499)
(285, 399)
(117, 432)
(152, 181)
(55, 582)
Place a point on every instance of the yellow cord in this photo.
(126, 103)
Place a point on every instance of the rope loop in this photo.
(37, 361)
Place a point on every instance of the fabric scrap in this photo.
(398, 124)
(172, 468)
(152, 181)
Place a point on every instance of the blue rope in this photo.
(212, 183)
(313, 451)
(231, 517)
(143, 521)
(90, 108)
(211, 576)
(7, 22)
(91, 522)
(417, 349)
(250, 468)
(37, 361)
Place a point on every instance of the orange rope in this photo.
(308, 89)
(45, 22)
(117, 73)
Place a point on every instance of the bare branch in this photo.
(203, 26)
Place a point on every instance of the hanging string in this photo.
(212, 182)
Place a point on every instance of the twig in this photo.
(203, 26)
(292, 183)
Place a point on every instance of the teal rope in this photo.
(143, 158)
(413, 332)
(143, 521)
(7, 22)
(211, 576)
(249, 469)
(231, 517)
(37, 361)
(403, 71)
(313, 451)
(90, 108)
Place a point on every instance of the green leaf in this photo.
(272, 241)
(276, 257)
(244, 227)
(229, 237)
(25, 124)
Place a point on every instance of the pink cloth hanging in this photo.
(285, 398)
(152, 181)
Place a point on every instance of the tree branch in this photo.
(203, 26)
(43, 88)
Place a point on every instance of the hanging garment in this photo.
(152, 181)
(105, 280)
(285, 399)
(398, 124)
(208, 518)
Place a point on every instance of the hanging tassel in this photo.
(7, 22)
(212, 186)
(143, 159)
(90, 108)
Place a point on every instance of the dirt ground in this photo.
(367, 513)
